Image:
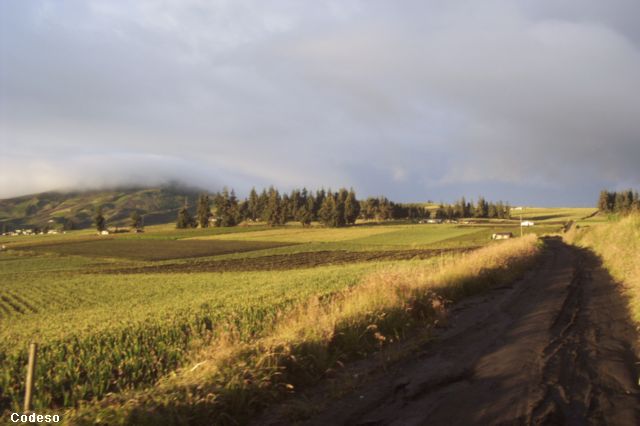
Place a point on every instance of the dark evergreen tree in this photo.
(136, 220)
(243, 211)
(482, 208)
(68, 225)
(327, 211)
(99, 220)
(185, 220)
(273, 209)
(385, 209)
(204, 211)
(339, 219)
(351, 208)
(226, 204)
(253, 205)
(319, 198)
(263, 200)
(305, 213)
(603, 202)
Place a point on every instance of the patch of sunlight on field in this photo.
(307, 235)
(417, 235)
(551, 214)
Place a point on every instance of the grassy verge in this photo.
(618, 243)
(231, 379)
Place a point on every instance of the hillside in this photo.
(54, 209)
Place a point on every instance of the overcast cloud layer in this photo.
(536, 102)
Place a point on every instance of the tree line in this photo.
(480, 209)
(332, 209)
(621, 202)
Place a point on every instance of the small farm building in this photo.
(502, 236)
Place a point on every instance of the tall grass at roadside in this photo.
(618, 243)
(231, 380)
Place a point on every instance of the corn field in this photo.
(100, 334)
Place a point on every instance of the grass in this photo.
(307, 235)
(227, 384)
(618, 243)
(554, 214)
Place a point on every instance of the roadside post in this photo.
(28, 393)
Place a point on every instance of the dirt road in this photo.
(556, 348)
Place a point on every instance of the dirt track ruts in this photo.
(556, 348)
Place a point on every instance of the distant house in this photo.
(104, 232)
(501, 236)
(434, 221)
(526, 223)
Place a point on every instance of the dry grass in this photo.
(229, 380)
(618, 243)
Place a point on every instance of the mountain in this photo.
(54, 209)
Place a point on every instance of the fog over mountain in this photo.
(531, 101)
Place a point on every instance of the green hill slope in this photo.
(53, 209)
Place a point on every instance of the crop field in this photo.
(554, 214)
(149, 249)
(119, 313)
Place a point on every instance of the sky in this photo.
(534, 102)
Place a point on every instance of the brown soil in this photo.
(286, 261)
(557, 348)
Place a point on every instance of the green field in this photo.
(119, 313)
(554, 214)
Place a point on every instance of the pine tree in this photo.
(234, 214)
(285, 210)
(603, 202)
(253, 206)
(320, 196)
(184, 219)
(136, 220)
(339, 212)
(619, 202)
(482, 208)
(243, 211)
(305, 213)
(351, 208)
(68, 225)
(263, 200)
(272, 211)
(385, 209)
(99, 220)
(204, 211)
(371, 207)
(327, 211)
(226, 204)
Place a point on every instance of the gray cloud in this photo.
(528, 101)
